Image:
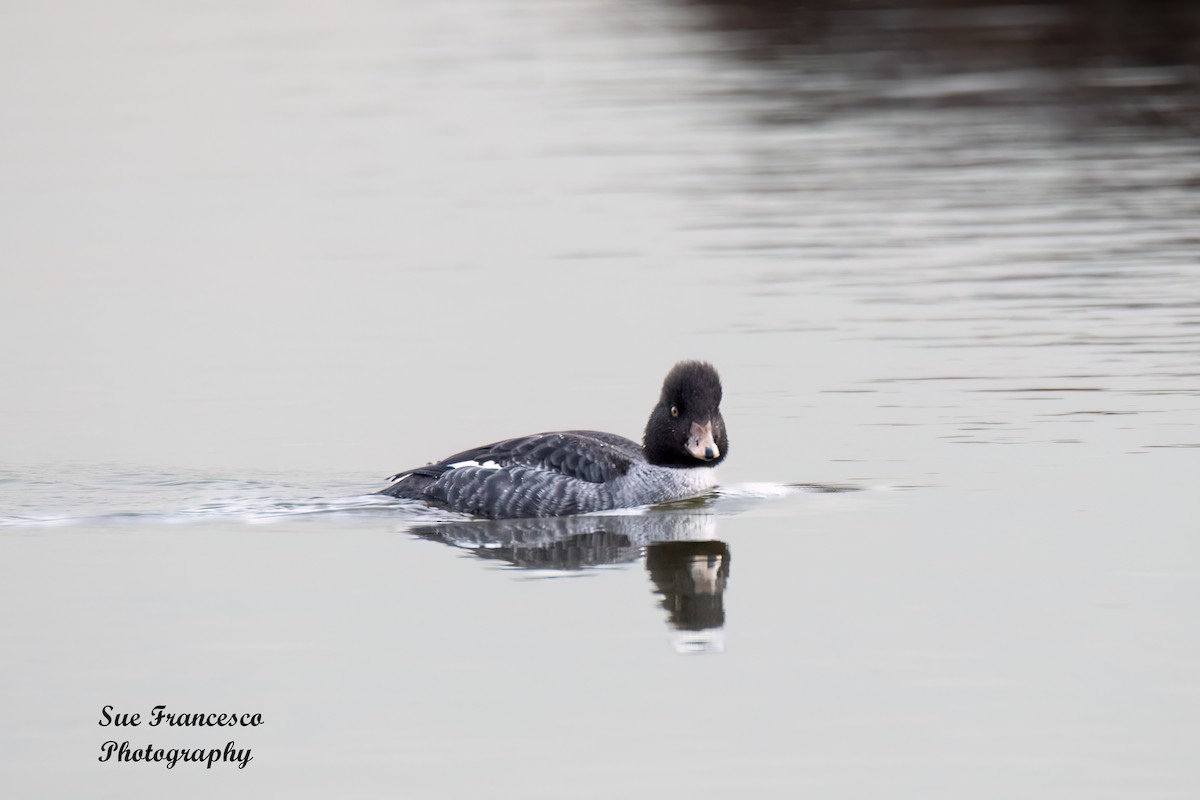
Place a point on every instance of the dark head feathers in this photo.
(685, 428)
(693, 385)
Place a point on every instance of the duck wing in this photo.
(581, 455)
(546, 474)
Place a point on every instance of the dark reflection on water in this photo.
(1131, 57)
(691, 578)
(1007, 192)
(688, 567)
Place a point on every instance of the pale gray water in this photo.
(257, 257)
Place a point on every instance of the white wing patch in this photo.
(484, 465)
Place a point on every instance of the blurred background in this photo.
(945, 254)
(255, 235)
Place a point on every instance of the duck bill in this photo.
(700, 443)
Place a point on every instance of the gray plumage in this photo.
(575, 472)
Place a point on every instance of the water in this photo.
(945, 256)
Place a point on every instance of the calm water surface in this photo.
(945, 255)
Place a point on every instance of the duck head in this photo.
(685, 428)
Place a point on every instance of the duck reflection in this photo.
(688, 566)
(691, 578)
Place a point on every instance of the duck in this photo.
(560, 473)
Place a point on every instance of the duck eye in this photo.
(674, 411)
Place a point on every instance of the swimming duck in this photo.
(576, 472)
